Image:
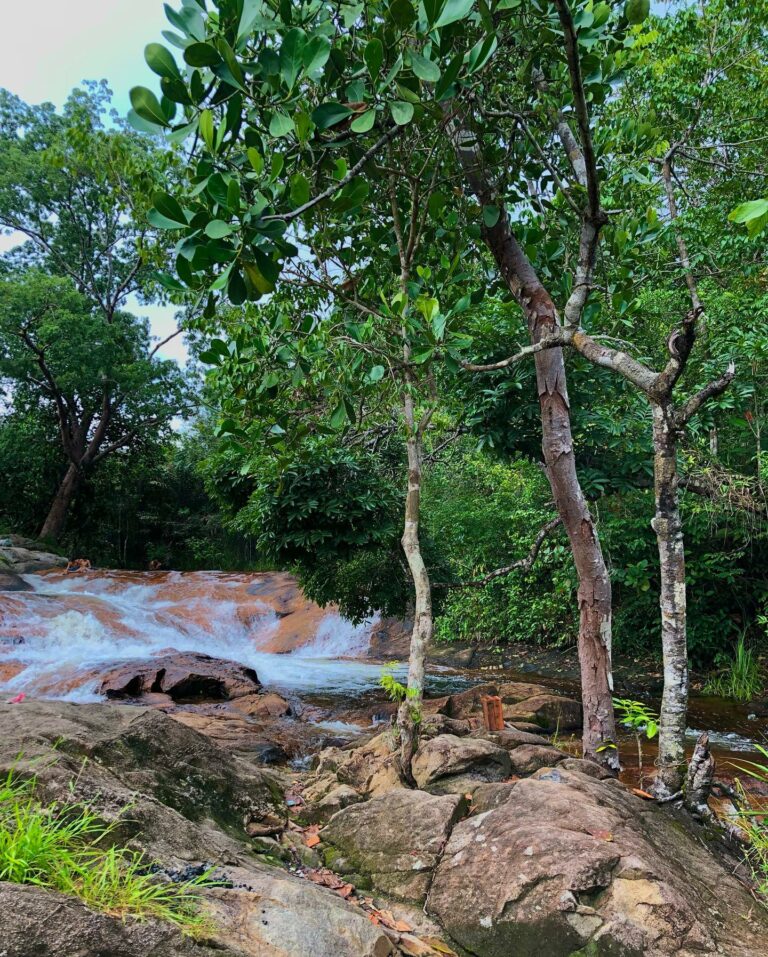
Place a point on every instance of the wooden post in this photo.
(493, 713)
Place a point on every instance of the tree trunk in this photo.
(409, 713)
(669, 536)
(57, 515)
(599, 740)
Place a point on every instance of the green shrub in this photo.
(741, 679)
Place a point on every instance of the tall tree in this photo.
(76, 192)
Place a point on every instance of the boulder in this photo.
(394, 840)
(187, 799)
(511, 738)
(447, 756)
(466, 704)
(24, 555)
(185, 676)
(274, 915)
(373, 768)
(530, 757)
(548, 711)
(35, 922)
(569, 864)
(11, 581)
(269, 705)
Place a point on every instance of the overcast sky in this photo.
(49, 46)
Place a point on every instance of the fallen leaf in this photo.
(312, 840)
(414, 947)
(402, 926)
(643, 794)
(440, 946)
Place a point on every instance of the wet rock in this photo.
(35, 922)
(269, 705)
(447, 756)
(278, 916)
(591, 768)
(572, 865)
(395, 840)
(184, 677)
(11, 581)
(548, 711)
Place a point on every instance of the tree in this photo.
(276, 96)
(74, 189)
(100, 380)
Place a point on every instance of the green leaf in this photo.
(637, 11)
(161, 61)
(433, 9)
(364, 122)
(754, 215)
(339, 416)
(291, 53)
(201, 54)
(255, 159)
(167, 206)
(491, 215)
(147, 105)
(354, 194)
(423, 68)
(280, 125)
(315, 56)
(402, 13)
(299, 189)
(376, 373)
(449, 75)
(374, 56)
(218, 229)
(329, 114)
(402, 112)
(162, 222)
(454, 10)
(481, 53)
(207, 130)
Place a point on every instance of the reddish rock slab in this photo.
(184, 677)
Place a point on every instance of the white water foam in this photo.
(71, 626)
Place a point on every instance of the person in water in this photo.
(78, 565)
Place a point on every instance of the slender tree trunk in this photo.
(599, 739)
(409, 713)
(57, 515)
(669, 536)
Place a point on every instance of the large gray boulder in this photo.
(394, 840)
(570, 865)
(24, 555)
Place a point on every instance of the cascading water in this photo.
(57, 639)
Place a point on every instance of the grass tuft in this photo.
(65, 847)
(741, 680)
(753, 821)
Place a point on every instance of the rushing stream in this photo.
(58, 639)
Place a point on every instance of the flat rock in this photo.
(275, 915)
(396, 840)
(511, 738)
(467, 704)
(335, 800)
(185, 676)
(572, 865)
(35, 922)
(447, 755)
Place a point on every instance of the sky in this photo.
(49, 46)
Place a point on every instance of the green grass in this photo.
(65, 847)
(741, 680)
(754, 823)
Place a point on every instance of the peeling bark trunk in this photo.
(599, 739)
(669, 535)
(57, 515)
(409, 713)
